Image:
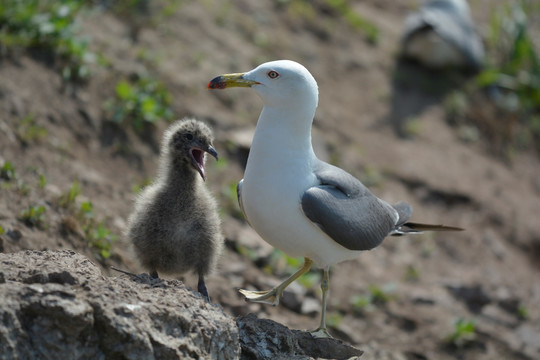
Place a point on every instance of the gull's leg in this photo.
(201, 287)
(272, 296)
(321, 331)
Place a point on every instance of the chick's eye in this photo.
(189, 136)
(272, 74)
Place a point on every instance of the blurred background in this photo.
(87, 88)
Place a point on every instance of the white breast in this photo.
(274, 181)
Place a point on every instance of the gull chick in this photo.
(296, 202)
(175, 227)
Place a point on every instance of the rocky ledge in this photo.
(58, 304)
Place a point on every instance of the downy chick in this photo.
(175, 227)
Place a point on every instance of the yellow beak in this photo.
(230, 80)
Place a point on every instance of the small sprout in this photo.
(29, 131)
(310, 279)
(412, 126)
(377, 296)
(102, 239)
(522, 312)
(334, 320)
(7, 172)
(68, 199)
(33, 216)
(412, 273)
(464, 333)
(42, 182)
(382, 295)
(356, 20)
(362, 303)
(2, 231)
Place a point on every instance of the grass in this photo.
(7, 172)
(376, 296)
(356, 20)
(503, 101)
(33, 216)
(42, 181)
(49, 27)
(29, 131)
(67, 200)
(412, 273)
(97, 234)
(139, 103)
(464, 333)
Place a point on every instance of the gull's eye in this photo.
(273, 74)
(189, 136)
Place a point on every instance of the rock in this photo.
(265, 339)
(474, 296)
(57, 304)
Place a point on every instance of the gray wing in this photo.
(348, 212)
(452, 22)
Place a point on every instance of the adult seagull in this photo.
(296, 202)
(441, 34)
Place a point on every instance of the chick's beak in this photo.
(230, 80)
(197, 158)
(212, 152)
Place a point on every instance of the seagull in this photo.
(175, 227)
(296, 202)
(442, 34)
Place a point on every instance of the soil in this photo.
(487, 274)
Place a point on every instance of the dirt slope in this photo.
(488, 274)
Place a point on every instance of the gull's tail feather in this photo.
(412, 228)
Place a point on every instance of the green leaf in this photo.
(124, 90)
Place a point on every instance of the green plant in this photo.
(412, 273)
(42, 182)
(68, 199)
(100, 238)
(2, 231)
(512, 72)
(33, 216)
(334, 320)
(355, 20)
(48, 26)
(382, 295)
(361, 303)
(377, 296)
(7, 172)
(522, 312)
(141, 102)
(464, 333)
(29, 131)
(97, 235)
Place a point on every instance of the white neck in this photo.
(282, 135)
